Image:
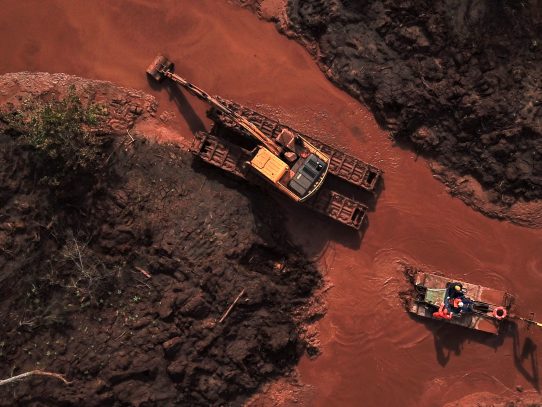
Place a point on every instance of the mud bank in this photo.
(123, 288)
(458, 82)
(469, 190)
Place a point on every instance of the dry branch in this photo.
(143, 271)
(231, 306)
(33, 373)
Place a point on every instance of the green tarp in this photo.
(435, 296)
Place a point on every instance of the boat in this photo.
(458, 302)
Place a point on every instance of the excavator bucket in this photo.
(158, 67)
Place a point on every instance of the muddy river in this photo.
(373, 353)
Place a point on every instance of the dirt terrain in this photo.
(493, 400)
(457, 81)
(120, 282)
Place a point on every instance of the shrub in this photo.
(68, 149)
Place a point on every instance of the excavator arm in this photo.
(163, 68)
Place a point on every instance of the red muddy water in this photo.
(373, 352)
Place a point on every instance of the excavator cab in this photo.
(307, 173)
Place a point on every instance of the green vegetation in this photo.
(65, 138)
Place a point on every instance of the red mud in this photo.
(373, 352)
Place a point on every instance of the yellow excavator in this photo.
(288, 161)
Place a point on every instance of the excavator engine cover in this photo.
(269, 165)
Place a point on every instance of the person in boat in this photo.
(455, 290)
(458, 302)
(442, 313)
(461, 305)
(455, 303)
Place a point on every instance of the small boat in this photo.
(458, 302)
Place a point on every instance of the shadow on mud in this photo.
(316, 231)
(450, 339)
(525, 356)
(184, 107)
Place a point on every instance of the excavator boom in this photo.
(163, 68)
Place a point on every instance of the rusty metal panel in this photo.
(491, 296)
(339, 207)
(486, 325)
(219, 153)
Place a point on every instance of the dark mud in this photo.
(75, 298)
(458, 81)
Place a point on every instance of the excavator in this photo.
(292, 164)
(289, 161)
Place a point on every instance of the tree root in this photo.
(34, 373)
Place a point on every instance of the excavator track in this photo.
(220, 153)
(338, 207)
(341, 165)
(230, 158)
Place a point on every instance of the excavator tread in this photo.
(338, 207)
(230, 158)
(220, 153)
(342, 165)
